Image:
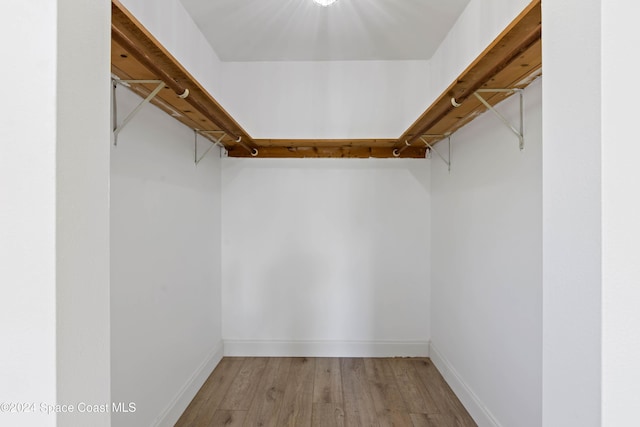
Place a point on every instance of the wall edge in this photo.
(179, 403)
(477, 409)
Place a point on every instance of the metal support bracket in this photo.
(117, 128)
(518, 132)
(197, 159)
(432, 147)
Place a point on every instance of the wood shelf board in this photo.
(332, 152)
(512, 60)
(320, 143)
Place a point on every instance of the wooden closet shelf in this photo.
(513, 60)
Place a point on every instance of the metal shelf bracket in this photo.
(431, 147)
(518, 132)
(117, 128)
(197, 159)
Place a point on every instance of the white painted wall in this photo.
(357, 99)
(325, 257)
(333, 99)
(54, 165)
(620, 213)
(486, 303)
(482, 290)
(572, 203)
(165, 266)
(82, 210)
(27, 216)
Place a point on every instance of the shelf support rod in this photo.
(118, 128)
(518, 132)
(217, 142)
(433, 148)
(252, 151)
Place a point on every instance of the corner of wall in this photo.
(478, 411)
(179, 403)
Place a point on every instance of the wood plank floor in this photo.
(256, 391)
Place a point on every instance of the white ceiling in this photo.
(300, 30)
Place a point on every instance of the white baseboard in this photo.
(478, 411)
(172, 413)
(326, 348)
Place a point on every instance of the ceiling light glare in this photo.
(325, 3)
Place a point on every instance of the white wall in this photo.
(82, 209)
(165, 269)
(338, 99)
(166, 252)
(486, 312)
(572, 233)
(620, 213)
(475, 270)
(54, 164)
(591, 233)
(27, 216)
(325, 257)
(357, 99)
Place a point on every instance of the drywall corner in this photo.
(478, 410)
(174, 410)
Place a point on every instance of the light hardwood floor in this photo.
(327, 392)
